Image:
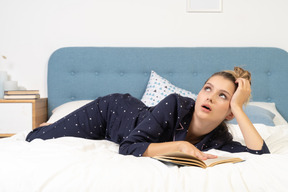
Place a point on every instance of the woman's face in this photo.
(213, 101)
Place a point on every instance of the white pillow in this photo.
(65, 109)
(278, 119)
(158, 88)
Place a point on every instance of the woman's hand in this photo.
(241, 94)
(172, 146)
(190, 149)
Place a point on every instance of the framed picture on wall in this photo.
(204, 5)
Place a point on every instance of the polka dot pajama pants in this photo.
(85, 122)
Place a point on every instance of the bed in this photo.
(77, 75)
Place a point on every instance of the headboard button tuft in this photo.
(269, 73)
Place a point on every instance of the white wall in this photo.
(31, 30)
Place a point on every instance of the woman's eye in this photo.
(223, 96)
(207, 88)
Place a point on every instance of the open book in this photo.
(183, 159)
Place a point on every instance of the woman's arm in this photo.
(252, 138)
(172, 146)
(153, 136)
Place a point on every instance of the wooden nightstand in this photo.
(21, 115)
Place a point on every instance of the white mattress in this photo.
(75, 164)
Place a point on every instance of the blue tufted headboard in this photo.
(77, 73)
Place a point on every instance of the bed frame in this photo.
(77, 73)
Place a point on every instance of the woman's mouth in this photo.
(206, 108)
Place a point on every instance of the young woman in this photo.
(176, 124)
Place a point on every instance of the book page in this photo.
(221, 159)
(180, 158)
(180, 155)
(181, 162)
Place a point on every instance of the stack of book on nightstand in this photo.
(22, 94)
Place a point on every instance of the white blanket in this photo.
(75, 164)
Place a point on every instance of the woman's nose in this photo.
(210, 98)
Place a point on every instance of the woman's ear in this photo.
(230, 116)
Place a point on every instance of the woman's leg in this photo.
(85, 122)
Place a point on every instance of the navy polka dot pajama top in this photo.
(126, 121)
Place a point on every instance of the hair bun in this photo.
(241, 73)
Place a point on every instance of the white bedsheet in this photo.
(75, 164)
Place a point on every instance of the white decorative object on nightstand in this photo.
(21, 115)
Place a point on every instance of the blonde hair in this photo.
(238, 72)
